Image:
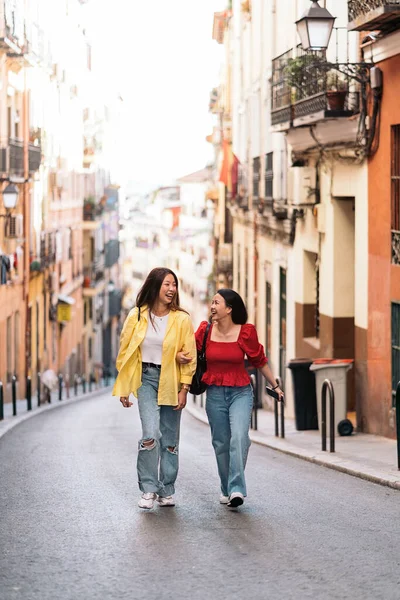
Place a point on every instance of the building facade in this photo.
(58, 124)
(308, 128)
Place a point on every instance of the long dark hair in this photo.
(150, 290)
(235, 302)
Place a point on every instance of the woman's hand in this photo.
(125, 401)
(181, 399)
(183, 358)
(281, 394)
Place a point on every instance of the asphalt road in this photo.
(70, 527)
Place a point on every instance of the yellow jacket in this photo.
(179, 336)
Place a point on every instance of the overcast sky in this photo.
(165, 63)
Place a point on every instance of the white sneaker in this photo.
(147, 500)
(223, 499)
(166, 500)
(236, 499)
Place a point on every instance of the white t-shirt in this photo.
(151, 346)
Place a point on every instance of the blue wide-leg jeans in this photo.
(157, 464)
(229, 414)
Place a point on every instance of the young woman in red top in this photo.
(229, 393)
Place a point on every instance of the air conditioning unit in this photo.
(301, 185)
(15, 227)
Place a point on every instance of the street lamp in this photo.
(315, 27)
(10, 196)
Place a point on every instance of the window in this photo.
(269, 175)
(90, 348)
(395, 193)
(395, 348)
(256, 178)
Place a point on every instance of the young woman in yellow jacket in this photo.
(152, 335)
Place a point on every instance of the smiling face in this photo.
(167, 290)
(219, 308)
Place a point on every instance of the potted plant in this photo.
(294, 71)
(336, 90)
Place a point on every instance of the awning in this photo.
(65, 299)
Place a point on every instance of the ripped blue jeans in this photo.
(157, 462)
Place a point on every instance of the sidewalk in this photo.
(362, 455)
(23, 414)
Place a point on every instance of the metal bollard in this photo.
(60, 386)
(14, 394)
(29, 393)
(282, 413)
(1, 401)
(254, 412)
(327, 385)
(38, 389)
(398, 423)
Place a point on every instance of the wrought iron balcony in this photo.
(111, 253)
(16, 157)
(281, 110)
(92, 211)
(320, 90)
(114, 303)
(396, 247)
(98, 265)
(370, 15)
(224, 258)
(34, 158)
(256, 178)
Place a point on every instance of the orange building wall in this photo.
(384, 278)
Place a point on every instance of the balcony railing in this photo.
(34, 158)
(322, 92)
(16, 157)
(92, 212)
(371, 15)
(111, 253)
(114, 303)
(280, 90)
(92, 276)
(256, 178)
(396, 247)
(224, 258)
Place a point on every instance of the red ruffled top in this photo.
(225, 360)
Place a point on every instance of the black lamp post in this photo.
(315, 27)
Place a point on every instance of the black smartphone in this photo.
(272, 393)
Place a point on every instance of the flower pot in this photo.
(336, 100)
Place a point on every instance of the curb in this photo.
(8, 424)
(312, 459)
